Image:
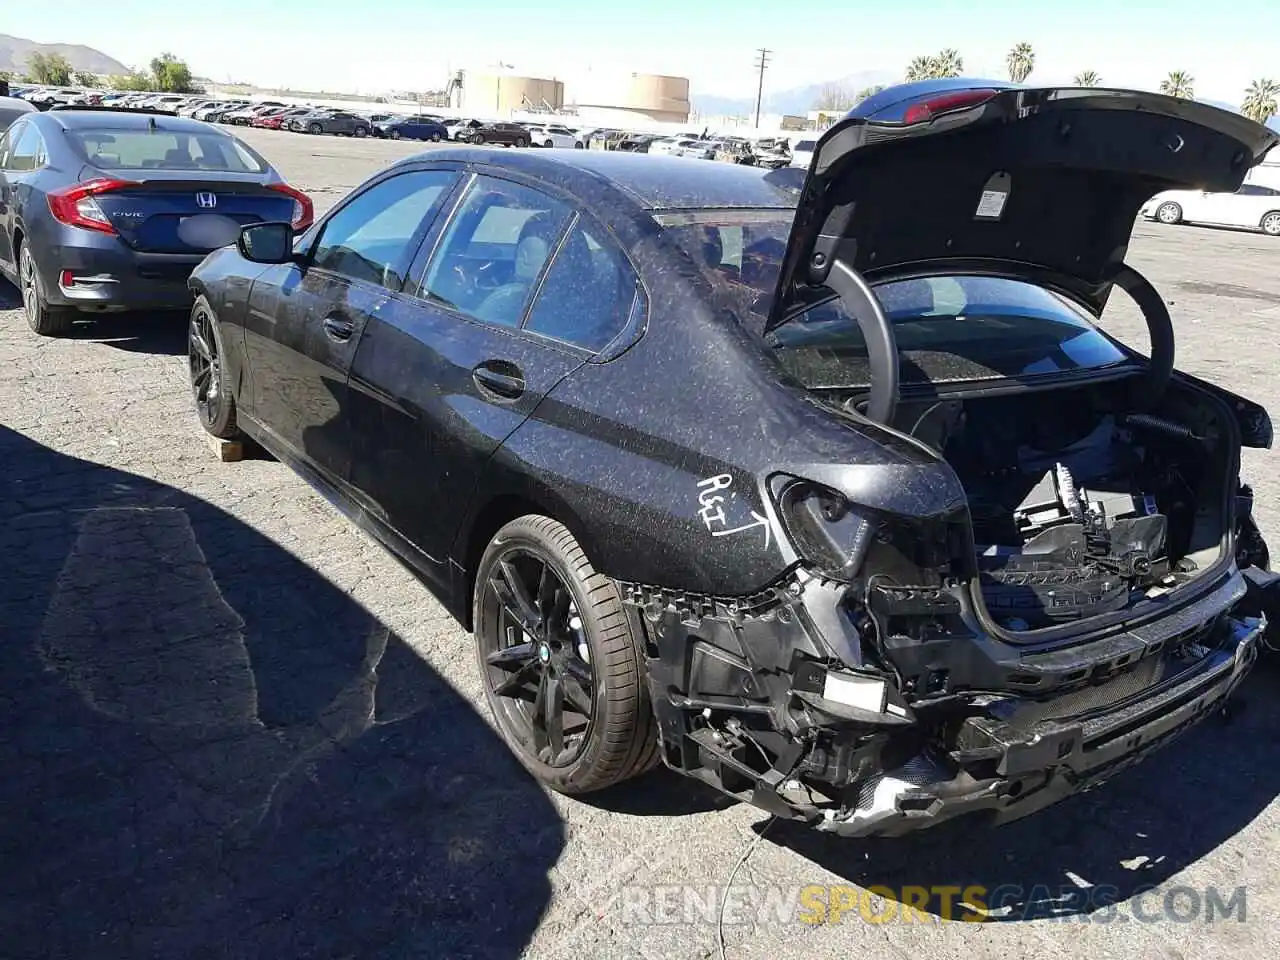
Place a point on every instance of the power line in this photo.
(762, 61)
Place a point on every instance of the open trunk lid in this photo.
(987, 177)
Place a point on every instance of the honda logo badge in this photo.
(206, 201)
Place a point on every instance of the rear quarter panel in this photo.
(658, 460)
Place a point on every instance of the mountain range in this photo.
(796, 101)
(15, 51)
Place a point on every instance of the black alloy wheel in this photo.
(560, 669)
(209, 385)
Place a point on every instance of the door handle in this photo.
(499, 377)
(338, 328)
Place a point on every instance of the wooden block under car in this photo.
(228, 451)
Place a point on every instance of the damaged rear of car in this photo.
(1051, 568)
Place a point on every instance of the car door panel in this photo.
(435, 391)
(430, 404)
(299, 367)
(305, 320)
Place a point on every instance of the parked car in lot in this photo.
(460, 129)
(278, 121)
(921, 542)
(273, 114)
(802, 152)
(1253, 206)
(340, 122)
(555, 135)
(11, 108)
(246, 115)
(104, 210)
(217, 112)
(506, 134)
(415, 127)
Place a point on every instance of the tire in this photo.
(207, 369)
(477, 139)
(435, 138)
(1169, 213)
(315, 128)
(360, 132)
(522, 142)
(43, 319)
(549, 144)
(579, 145)
(620, 738)
(395, 134)
(1271, 223)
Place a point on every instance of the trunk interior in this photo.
(1081, 503)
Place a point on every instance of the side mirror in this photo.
(266, 243)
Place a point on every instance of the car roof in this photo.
(122, 120)
(653, 182)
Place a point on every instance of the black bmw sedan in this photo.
(835, 498)
(104, 210)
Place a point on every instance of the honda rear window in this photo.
(952, 328)
(117, 149)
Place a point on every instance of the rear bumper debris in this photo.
(755, 698)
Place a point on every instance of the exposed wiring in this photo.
(724, 899)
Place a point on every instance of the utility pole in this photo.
(762, 61)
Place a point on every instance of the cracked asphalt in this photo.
(232, 726)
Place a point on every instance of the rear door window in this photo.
(949, 329)
(494, 251)
(25, 149)
(375, 236)
(589, 291)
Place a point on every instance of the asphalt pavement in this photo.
(232, 726)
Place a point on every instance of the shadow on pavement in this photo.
(660, 793)
(208, 750)
(1092, 850)
(163, 333)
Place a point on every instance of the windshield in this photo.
(121, 149)
(950, 328)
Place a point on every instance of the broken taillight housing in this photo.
(826, 529)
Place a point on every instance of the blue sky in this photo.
(378, 44)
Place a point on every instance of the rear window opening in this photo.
(121, 149)
(948, 329)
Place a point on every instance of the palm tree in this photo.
(1020, 61)
(868, 92)
(1087, 78)
(1260, 100)
(1180, 84)
(921, 68)
(948, 63)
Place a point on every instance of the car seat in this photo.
(505, 304)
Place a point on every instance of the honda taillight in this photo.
(304, 210)
(76, 207)
(945, 103)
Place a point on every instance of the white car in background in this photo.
(556, 135)
(1254, 206)
(683, 147)
(802, 153)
